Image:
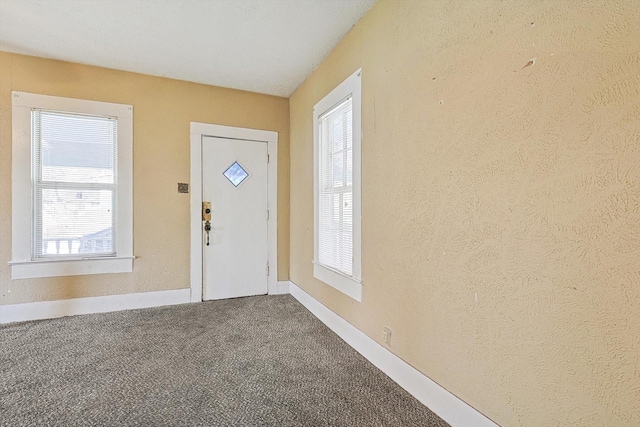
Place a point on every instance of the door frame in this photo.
(198, 132)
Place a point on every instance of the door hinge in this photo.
(267, 158)
(267, 268)
(267, 214)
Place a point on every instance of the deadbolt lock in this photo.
(206, 211)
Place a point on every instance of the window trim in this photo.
(349, 285)
(22, 264)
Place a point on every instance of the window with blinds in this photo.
(337, 253)
(335, 234)
(71, 186)
(74, 185)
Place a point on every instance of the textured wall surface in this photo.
(163, 109)
(501, 200)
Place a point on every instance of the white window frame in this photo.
(23, 266)
(349, 285)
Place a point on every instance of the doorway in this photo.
(235, 171)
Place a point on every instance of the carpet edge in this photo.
(444, 404)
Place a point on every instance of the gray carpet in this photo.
(259, 361)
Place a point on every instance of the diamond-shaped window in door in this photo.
(236, 174)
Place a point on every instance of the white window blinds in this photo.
(335, 216)
(73, 185)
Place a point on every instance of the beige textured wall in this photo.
(501, 202)
(163, 109)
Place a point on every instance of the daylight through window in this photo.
(74, 187)
(337, 120)
(336, 192)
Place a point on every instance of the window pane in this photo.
(76, 222)
(337, 134)
(336, 232)
(75, 148)
(347, 210)
(338, 169)
(329, 226)
(236, 174)
(349, 127)
(349, 167)
(75, 166)
(335, 226)
(346, 234)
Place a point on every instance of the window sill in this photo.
(347, 285)
(71, 267)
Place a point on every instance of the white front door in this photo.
(234, 180)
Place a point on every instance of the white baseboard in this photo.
(73, 307)
(282, 287)
(437, 399)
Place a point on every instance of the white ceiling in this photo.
(266, 46)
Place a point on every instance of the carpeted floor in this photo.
(258, 361)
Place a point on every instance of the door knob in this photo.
(207, 229)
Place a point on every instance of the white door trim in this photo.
(198, 131)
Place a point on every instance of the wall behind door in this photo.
(163, 109)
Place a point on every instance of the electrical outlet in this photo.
(386, 335)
